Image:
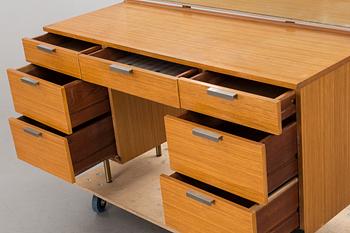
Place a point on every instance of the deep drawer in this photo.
(57, 100)
(57, 52)
(64, 156)
(193, 207)
(134, 74)
(237, 159)
(256, 105)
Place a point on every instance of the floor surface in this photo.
(32, 201)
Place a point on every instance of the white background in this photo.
(32, 201)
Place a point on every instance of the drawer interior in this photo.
(48, 75)
(211, 189)
(225, 126)
(65, 42)
(229, 127)
(240, 84)
(144, 62)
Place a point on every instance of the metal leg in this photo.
(159, 151)
(108, 173)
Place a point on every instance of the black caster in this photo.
(298, 231)
(98, 205)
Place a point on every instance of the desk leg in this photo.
(108, 173)
(159, 151)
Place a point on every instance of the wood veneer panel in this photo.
(260, 51)
(325, 135)
(138, 124)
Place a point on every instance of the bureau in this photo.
(254, 114)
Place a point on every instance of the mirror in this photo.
(329, 13)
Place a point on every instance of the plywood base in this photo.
(135, 186)
(136, 189)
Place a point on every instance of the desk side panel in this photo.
(325, 147)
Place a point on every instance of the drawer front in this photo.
(42, 149)
(52, 57)
(223, 160)
(135, 81)
(190, 210)
(250, 110)
(40, 100)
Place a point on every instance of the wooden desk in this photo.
(250, 74)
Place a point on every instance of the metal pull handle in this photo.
(30, 81)
(227, 95)
(120, 69)
(207, 134)
(200, 198)
(32, 132)
(46, 48)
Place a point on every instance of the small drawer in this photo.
(249, 103)
(192, 206)
(134, 74)
(56, 52)
(61, 155)
(55, 99)
(235, 158)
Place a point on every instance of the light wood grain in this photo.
(188, 215)
(49, 152)
(138, 124)
(255, 111)
(235, 164)
(68, 102)
(64, 156)
(259, 51)
(325, 121)
(63, 60)
(143, 83)
(29, 100)
(335, 12)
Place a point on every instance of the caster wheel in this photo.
(98, 205)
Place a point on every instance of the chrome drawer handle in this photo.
(32, 132)
(30, 81)
(200, 198)
(227, 95)
(120, 69)
(207, 134)
(46, 48)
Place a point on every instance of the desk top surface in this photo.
(276, 54)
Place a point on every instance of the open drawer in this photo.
(235, 158)
(192, 206)
(55, 99)
(256, 105)
(57, 52)
(64, 156)
(135, 74)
